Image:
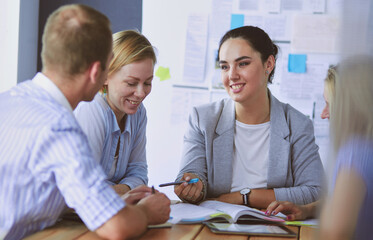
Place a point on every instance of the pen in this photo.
(194, 180)
(153, 190)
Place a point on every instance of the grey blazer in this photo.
(295, 170)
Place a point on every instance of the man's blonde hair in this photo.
(128, 47)
(74, 37)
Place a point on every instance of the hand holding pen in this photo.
(194, 180)
(188, 190)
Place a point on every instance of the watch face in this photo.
(245, 191)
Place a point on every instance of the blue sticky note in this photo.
(237, 20)
(297, 63)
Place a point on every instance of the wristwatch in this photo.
(245, 196)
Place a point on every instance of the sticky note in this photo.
(163, 73)
(297, 63)
(237, 20)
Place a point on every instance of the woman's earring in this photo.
(267, 72)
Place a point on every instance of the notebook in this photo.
(217, 211)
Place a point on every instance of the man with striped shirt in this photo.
(45, 160)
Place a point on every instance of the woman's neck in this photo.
(120, 116)
(254, 112)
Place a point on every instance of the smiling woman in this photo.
(250, 149)
(115, 121)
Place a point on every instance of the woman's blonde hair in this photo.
(130, 46)
(352, 111)
(329, 83)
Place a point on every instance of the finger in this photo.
(271, 207)
(192, 193)
(197, 195)
(290, 217)
(185, 193)
(186, 176)
(134, 197)
(279, 208)
(142, 188)
(198, 191)
(179, 188)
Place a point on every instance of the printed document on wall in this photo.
(183, 99)
(195, 48)
(315, 34)
(221, 11)
(304, 85)
(276, 26)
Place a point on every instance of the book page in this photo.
(238, 210)
(190, 213)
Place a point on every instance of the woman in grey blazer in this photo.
(250, 149)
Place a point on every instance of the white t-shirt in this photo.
(250, 156)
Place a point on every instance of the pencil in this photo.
(153, 190)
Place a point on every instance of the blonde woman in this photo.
(329, 91)
(115, 121)
(348, 209)
(347, 212)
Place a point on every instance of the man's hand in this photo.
(156, 207)
(135, 195)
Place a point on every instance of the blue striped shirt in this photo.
(46, 163)
(99, 123)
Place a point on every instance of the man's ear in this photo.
(94, 71)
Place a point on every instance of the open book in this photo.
(218, 211)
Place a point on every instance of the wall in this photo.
(9, 22)
(28, 39)
(164, 23)
(123, 14)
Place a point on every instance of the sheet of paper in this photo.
(314, 6)
(357, 29)
(183, 99)
(189, 211)
(254, 20)
(272, 6)
(216, 82)
(248, 5)
(294, 5)
(195, 48)
(315, 34)
(221, 11)
(308, 222)
(304, 85)
(276, 26)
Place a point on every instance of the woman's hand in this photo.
(234, 198)
(291, 210)
(189, 192)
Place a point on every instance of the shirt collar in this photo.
(43, 81)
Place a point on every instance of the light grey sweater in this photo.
(295, 171)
